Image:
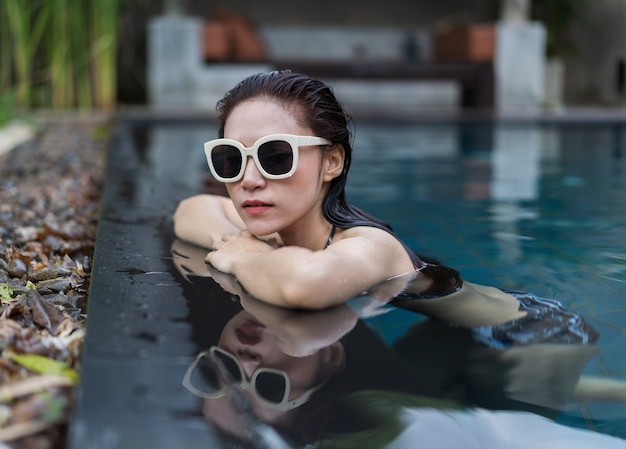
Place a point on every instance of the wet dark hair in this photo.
(315, 106)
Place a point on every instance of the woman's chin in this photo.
(261, 229)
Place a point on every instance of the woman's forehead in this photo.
(260, 117)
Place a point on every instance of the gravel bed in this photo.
(50, 192)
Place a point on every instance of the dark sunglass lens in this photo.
(204, 376)
(230, 365)
(276, 157)
(226, 160)
(271, 386)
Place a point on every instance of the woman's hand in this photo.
(234, 247)
(189, 259)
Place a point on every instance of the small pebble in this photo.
(26, 233)
(50, 272)
(58, 299)
(54, 285)
(17, 268)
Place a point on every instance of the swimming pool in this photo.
(539, 208)
(521, 206)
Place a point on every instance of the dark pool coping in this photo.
(137, 345)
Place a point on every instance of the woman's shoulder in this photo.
(367, 232)
(373, 240)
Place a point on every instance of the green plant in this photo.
(59, 53)
(26, 23)
(7, 104)
(104, 15)
(6, 89)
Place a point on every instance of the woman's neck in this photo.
(313, 236)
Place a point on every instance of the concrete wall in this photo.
(593, 72)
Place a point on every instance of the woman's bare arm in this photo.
(204, 219)
(296, 277)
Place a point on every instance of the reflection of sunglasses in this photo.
(212, 370)
(276, 156)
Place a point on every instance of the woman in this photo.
(293, 241)
(290, 238)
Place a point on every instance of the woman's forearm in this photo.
(204, 219)
(299, 278)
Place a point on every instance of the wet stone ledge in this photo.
(139, 340)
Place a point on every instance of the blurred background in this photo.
(111, 53)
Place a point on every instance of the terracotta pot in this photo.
(231, 37)
(247, 44)
(465, 43)
(216, 44)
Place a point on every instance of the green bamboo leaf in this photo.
(44, 365)
(103, 50)
(40, 26)
(60, 65)
(18, 17)
(60, 52)
(5, 54)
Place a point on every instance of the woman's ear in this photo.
(333, 162)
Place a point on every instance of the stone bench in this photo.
(354, 58)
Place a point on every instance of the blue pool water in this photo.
(523, 207)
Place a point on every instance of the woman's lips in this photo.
(249, 332)
(255, 207)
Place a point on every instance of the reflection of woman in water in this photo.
(324, 354)
(263, 389)
(276, 377)
(246, 374)
(289, 236)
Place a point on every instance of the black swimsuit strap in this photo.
(330, 237)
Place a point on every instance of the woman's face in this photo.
(257, 347)
(291, 206)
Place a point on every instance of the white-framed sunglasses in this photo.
(214, 370)
(276, 156)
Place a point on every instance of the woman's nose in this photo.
(252, 177)
(250, 361)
